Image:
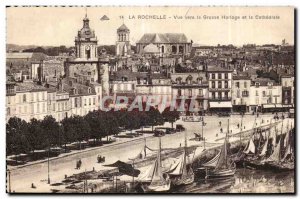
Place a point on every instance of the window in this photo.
(43, 97)
(38, 108)
(237, 84)
(213, 84)
(179, 92)
(226, 75)
(219, 75)
(220, 95)
(264, 93)
(89, 90)
(8, 111)
(234, 102)
(8, 100)
(190, 92)
(256, 93)
(90, 101)
(53, 107)
(24, 98)
(213, 76)
(94, 101)
(226, 84)
(213, 95)
(245, 93)
(226, 95)
(245, 84)
(44, 110)
(200, 92)
(219, 84)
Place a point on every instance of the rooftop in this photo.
(163, 38)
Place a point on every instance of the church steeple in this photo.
(86, 41)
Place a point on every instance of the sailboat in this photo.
(154, 180)
(278, 160)
(180, 173)
(222, 165)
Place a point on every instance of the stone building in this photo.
(123, 47)
(219, 88)
(240, 93)
(191, 85)
(168, 43)
(87, 67)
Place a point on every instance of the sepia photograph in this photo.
(150, 99)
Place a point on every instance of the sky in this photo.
(54, 26)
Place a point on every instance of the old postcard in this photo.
(150, 100)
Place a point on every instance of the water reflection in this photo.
(244, 181)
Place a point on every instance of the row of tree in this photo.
(24, 137)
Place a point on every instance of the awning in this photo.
(269, 106)
(287, 105)
(220, 105)
(278, 106)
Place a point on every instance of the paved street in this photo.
(22, 178)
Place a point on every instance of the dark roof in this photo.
(123, 27)
(218, 69)
(81, 88)
(239, 77)
(163, 38)
(29, 87)
(263, 81)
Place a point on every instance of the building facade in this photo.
(219, 88)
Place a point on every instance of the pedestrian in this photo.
(238, 125)
(221, 130)
(33, 186)
(180, 145)
(220, 123)
(217, 135)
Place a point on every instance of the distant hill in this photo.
(18, 48)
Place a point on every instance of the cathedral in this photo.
(123, 47)
(87, 67)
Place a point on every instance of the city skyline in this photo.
(58, 25)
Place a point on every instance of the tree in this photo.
(16, 136)
(154, 117)
(36, 136)
(51, 129)
(170, 116)
(133, 120)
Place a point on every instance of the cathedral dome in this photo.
(151, 48)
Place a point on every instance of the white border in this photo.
(3, 4)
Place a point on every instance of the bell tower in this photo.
(123, 44)
(86, 42)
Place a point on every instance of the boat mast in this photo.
(225, 147)
(280, 149)
(241, 130)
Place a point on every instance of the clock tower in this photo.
(86, 67)
(86, 42)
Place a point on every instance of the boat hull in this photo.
(147, 188)
(274, 166)
(220, 173)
